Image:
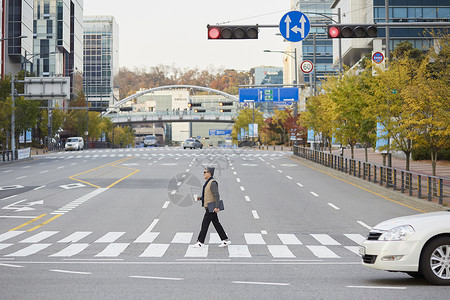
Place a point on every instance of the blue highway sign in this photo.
(294, 26)
(279, 96)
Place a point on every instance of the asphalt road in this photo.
(118, 224)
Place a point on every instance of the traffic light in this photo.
(230, 103)
(200, 110)
(126, 108)
(225, 110)
(352, 31)
(190, 105)
(235, 32)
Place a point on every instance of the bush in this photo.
(425, 154)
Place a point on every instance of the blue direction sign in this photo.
(294, 26)
(280, 96)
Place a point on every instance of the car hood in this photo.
(416, 221)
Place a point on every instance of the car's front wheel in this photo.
(435, 261)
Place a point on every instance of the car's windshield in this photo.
(149, 137)
(72, 140)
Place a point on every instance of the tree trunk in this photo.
(433, 162)
(366, 155)
(407, 153)
(353, 150)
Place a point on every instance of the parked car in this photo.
(192, 143)
(74, 143)
(418, 245)
(150, 140)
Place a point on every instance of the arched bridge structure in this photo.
(167, 116)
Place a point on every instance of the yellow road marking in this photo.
(360, 187)
(122, 179)
(46, 222)
(29, 222)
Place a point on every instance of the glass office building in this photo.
(409, 11)
(318, 11)
(57, 33)
(268, 75)
(101, 60)
(16, 21)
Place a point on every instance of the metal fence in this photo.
(422, 186)
(6, 156)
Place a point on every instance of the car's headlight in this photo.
(399, 233)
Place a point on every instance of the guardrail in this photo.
(415, 184)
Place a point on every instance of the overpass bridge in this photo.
(130, 118)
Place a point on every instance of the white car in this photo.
(418, 245)
(150, 140)
(74, 143)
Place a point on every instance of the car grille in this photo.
(369, 259)
(374, 236)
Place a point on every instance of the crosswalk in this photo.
(55, 244)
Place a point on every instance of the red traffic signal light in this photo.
(242, 32)
(352, 31)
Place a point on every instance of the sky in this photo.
(173, 32)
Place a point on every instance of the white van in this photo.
(74, 143)
(150, 140)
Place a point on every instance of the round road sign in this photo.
(306, 66)
(378, 57)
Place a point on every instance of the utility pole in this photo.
(13, 119)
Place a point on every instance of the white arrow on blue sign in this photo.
(294, 26)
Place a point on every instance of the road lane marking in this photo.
(261, 283)
(158, 278)
(32, 249)
(155, 250)
(247, 198)
(289, 177)
(325, 239)
(39, 187)
(314, 194)
(9, 234)
(70, 250)
(9, 197)
(333, 206)
(355, 185)
(166, 204)
(71, 272)
(39, 237)
(255, 214)
(21, 177)
(113, 250)
(254, 239)
(299, 184)
(377, 287)
(357, 238)
(242, 188)
(11, 266)
(364, 224)
(289, 239)
(197, 252)
(110, 237)
(75, 237)
(280, 251)
(46, 222)
(238, 251)
(29, 222)
(182, 238)
(238, 179)
(322, 252)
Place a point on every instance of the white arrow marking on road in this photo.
(288, 25)
(11, 187)
(24, 207)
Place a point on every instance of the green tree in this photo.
(428, 103)
(244, 118)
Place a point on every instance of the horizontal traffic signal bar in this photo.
(235, 32)
(226, 103)
(200, 110)
(225, 110)
(352, 31)
(194, 104)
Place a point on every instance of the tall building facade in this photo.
(268, 75)
(58, 44)
(101, 60)
(400, 11)
(16, 27)
(316, 47)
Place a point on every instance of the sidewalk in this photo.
(419, 166)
